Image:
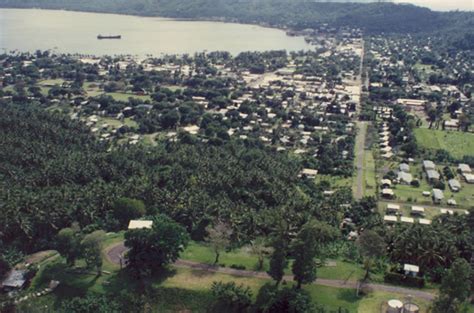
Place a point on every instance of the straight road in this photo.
(359, 152)
(358, 189)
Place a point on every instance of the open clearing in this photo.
(458, 144)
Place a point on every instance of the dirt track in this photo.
(115, 252)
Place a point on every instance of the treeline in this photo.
(53, 172)
(372, 17)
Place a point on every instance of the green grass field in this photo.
(199, 252)
(114, 123)
(369, 174)
(369, 186)
(183, 289)
(458, 144)
(121, 96)
(187, 289)
(424, 70)
(51, 82)
(335, 181)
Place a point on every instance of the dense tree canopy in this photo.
(151, 249)
(53, 172)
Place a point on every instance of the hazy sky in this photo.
(443, 5)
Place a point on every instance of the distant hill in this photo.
(299, 14)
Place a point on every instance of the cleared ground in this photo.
(458, 144)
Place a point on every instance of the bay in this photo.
(76, 32)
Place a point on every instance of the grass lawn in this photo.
(424, 70)
(369, 174)
(187, 289)
(369, 186)
(121, 96)
(152, 139)
(172, 87)
(182, 289)
(335, 181)
(458, 144)
(201, 253)
(51, 82)
(376, 302)
(45, 90)
(114, 123)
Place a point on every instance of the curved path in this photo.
(116, 252)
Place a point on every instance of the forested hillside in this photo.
(53, 172)
(372, 17)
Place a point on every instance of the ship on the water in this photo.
(109, 37)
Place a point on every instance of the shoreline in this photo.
(182, 19)
(165, 19)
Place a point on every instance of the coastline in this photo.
(97, 15)
(136, 14)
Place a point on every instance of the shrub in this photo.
(238, 267)
(285, 300)
(401, 279)
(4, 267)
(231, 296)
(439, 185)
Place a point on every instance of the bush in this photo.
(401, 279)
(126, 209)
(287, 300)
(448, 173)
(91, 304)
(230, 296)
(238, 267)
(4, 268)
(439, 185)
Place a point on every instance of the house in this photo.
(452, 202)
(14, 280)
(454, 184)
(404, 168)
(192, 129)
(411, 102)
(429, 165)
(424, 221)
(405, 219)
(139, 224)
(451, 124)
(446, 211)
(432, 175)
(426, 193)
(393, 208)
(417, 210)
(390, 219)
(388, 193)
(437, 195)
(464, 169)
(405, 178)
(386, 183)
(469, 178)
(308, 172)
(411, 270)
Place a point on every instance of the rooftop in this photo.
(138, 224)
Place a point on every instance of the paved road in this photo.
(360, 158)
(115, 252)
(358, 191)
